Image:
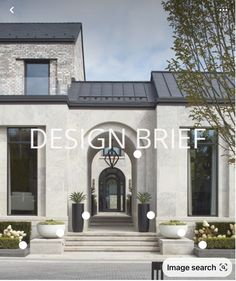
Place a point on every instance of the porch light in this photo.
(111, 157)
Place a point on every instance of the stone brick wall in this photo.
(65, 63)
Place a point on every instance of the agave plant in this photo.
(77, 197)
(144, 197)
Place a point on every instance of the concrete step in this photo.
(110, 221)
(111, 243)
(111, 234)
(124, 224)
(111, 248)
(111, 238)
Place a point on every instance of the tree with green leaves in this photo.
(204, 44)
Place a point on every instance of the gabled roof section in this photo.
(39, 32)
(114, 94)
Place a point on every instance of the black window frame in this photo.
(36, 61)
(217, 170)
(8, 174)
(121, 151)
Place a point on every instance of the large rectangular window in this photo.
(22, 173)
(37, 77)
(203, 194)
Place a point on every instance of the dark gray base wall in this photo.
(14, 252)
(214, 253)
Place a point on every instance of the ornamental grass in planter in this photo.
(77, 210)
(51, 229)
(173, 229)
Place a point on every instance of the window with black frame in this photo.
(203, 193)
(22, 172)
(118, 151)
(37, 75)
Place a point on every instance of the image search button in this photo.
(206, 267)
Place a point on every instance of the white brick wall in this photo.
(66, 61)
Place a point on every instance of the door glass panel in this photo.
(111, 196)
(111, 191)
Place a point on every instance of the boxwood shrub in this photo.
(9, 243)
(222, 226)
(220, 243)
(18, 225)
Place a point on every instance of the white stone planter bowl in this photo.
(51, 231)
(173, 231)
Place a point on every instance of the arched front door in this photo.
(112, 190)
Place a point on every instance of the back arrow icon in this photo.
(11, 10)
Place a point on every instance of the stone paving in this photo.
(61, 270)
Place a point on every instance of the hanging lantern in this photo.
(112, 157)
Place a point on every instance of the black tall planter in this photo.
(77, 220)
(143, 221)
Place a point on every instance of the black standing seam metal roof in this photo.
(39, 32)
(163, 88)
(117, 93)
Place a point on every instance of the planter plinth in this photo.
(47, 246)
(182, 246)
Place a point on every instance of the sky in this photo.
(123, 39)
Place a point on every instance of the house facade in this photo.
(76, 122)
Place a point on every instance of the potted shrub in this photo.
(143, 209)
(129, 205)
(173, 229)
(77, 210)
(51, 229)
(11, 243)
(219, 238)
(93, 202)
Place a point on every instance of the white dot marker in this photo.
(60, 232)
(22, 245)
(86, 215)
(181, 232)
(151, 215)
(202, 245)
(137, 154)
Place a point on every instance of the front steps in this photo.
(109, 220)
(111, 242)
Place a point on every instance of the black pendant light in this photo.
(112, 157)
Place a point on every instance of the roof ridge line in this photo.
(94, 81)
(42, 22)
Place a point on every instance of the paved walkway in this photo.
(61, 270)
(100, 257)
(31, 269)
